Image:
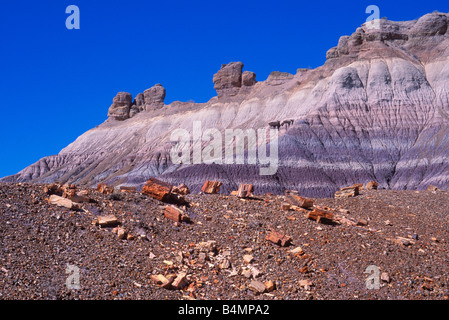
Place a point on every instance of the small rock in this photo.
(270, 285)
(385, 277)
(248, 258)
(306, 284)
(107, 221)
(257, 287)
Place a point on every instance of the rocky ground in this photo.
(403, 233)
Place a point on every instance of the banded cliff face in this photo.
(378, 109)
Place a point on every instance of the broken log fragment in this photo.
(432, 188)
(359, 185)
(180, 281)
(162, 191)
(105, 189)
(294, 199)
(63, 202)
(347, 192)
(279, 239)
(245, 190)
(157, 189)
(211, 187)
(182, 189)
(176, 214)
(108, 221)
(54, 188)
(320, 215)
(372, 185)
(162, 281)
(128, 189)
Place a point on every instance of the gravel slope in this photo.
(39, 240)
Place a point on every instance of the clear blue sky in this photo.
(58, 83)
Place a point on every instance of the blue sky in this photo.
(57, 83)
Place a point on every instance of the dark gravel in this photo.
(39, 240)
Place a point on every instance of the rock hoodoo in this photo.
(121, 104)
(229, 79)
(123, 107)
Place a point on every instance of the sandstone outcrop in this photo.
(154, 97)
(228, 80)
(121, 105)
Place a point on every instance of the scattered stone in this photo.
(247, 273)
(182, 189)
(245, 191)
(211, 187)
(257, 287)
(294, 199)
(362, 222)
(225, 264)
(319, 215)
(385, 277)
(372, 185)
(176, 214)
(279, 239)
(157, 189)
(432, 188)
(285, 206)
(347, 192)
(247, 258)
(107, 221)
(128, 189)
(306, 284)
(105, 189)
(298, 251)
(180, 281)
(162, 281)
(207, 246)
(62, 202)
(54, 189)
(121, 233)
(270, 286)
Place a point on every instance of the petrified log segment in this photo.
(157, 189)
(320, 215)
(211, 187)
(245, 191)
(294, 199)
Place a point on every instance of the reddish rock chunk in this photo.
(245, 191)
(211, 187)
(175, 214)
(105, 189)
(279, 239)
(347, 192)
(108, 221)
(372, 185)
(182, 189)
(157, 189)
(128, 189)
(294, 199)
(320, 215)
